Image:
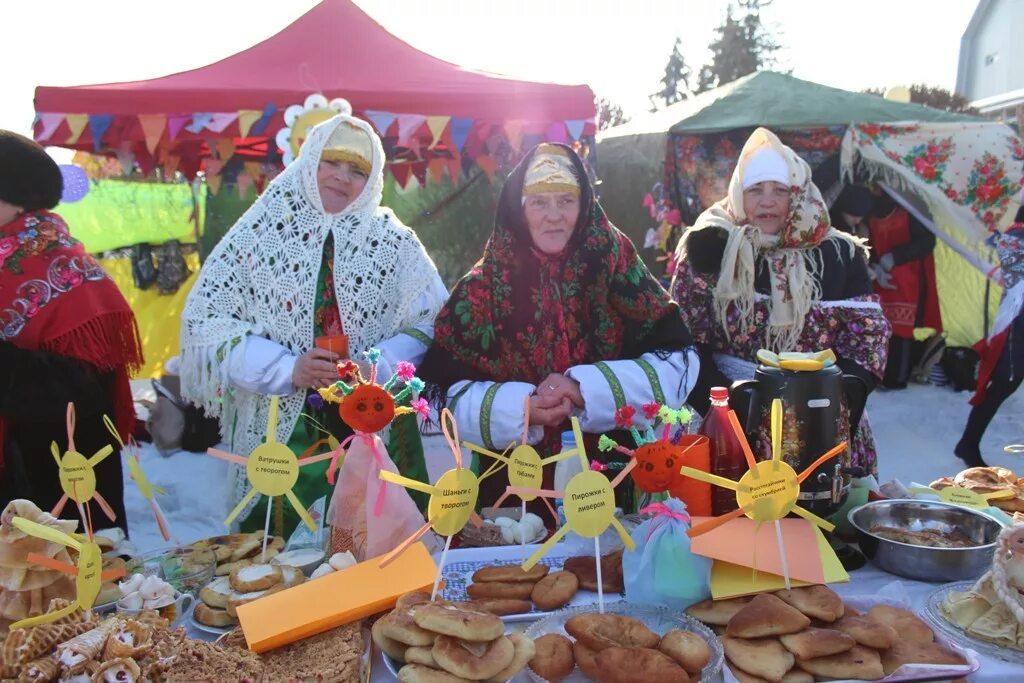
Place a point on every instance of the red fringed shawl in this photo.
(54, 297)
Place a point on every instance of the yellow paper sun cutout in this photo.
(77, 477)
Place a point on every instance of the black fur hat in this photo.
(29, 178)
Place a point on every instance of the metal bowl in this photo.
(921, 562)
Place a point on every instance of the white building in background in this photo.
(991, 69)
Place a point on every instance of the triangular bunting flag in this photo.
(419, 169)
(199, 121)
(77, 123)
(213, 182)
(252, 169)
(488, 165)
(575, 128)
(244, 184)
(408, 124)
(436, 168)
(401, 172)
(437, 124)
(247, 117)
(225, 148)
(175, 123)
(556, 132)
(460, 131)
(265, 119)
(152, 128)
(50, 123)
(455, 170)
(213, 167)
(219, 122)
(381, 120)
(98, 125)
(514, 131)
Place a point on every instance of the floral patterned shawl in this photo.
(521, 315)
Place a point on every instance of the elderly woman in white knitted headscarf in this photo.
(763, 268)
(315, 257)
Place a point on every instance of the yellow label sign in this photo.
(589, 503)
(88, 582)
(272, 469)
(453, 501)
(962, 496)
(525, 469)
(77, 478)
(768, 491)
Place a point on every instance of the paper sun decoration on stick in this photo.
(655, 462)
(769, 490)
(452, 499)
(525, 466)
(146, 488)
(77, 477)
(272, 470)
(368, 407)
(589, 506)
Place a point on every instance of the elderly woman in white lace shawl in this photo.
(315, 256)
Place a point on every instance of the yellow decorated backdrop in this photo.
(159, 316)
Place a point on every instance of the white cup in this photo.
(173, 610)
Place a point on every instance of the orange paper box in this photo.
(744, 542)
(335, 599)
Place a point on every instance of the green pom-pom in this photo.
(605, 443)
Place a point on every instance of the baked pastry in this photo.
(764, 657)
(248, 547)
(421, 655)
(688, 649)
(585, 570)
(410, 599)
(417, 673)
(766, 615)
(212, 616)
(717, 612)
(291, 576)
(226, 568)
(217, 592)
(600, 631)
(499, 606)
(333, 655)
(392, 648)
(858, 662)
(524, 650)
(555, 590)
(120, 669)
(131, 639)
(238, 599)
(399, 625)
(625, 665)
(743, 677)
(500, 589)
(867, 631)
(476, 660)
(553, 658)
(797, 675)
(459, 622)
(586, 660)
(817, 602)
(511, 573)
(911, 652)
(256, 577)
(907, 624)
(817, 642)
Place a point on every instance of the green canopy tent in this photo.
(687, 151)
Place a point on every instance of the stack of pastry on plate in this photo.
(238, 550)
(440, 642)
(809, 634)
(612, 648)
(984, 480)
(222, 596)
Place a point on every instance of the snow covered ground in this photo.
(916, 430)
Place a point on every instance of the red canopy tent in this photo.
(435, 109)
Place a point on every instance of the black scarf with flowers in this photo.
(520, 315)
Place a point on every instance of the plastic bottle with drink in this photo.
(727, 459)
(565, 470)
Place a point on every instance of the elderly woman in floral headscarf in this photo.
(763, 268)
(315, 256)
(560, 314)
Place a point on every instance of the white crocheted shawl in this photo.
(261, 280)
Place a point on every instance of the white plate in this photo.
(462, 563)
(934, 616)
(214, 630)
(658, 619)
